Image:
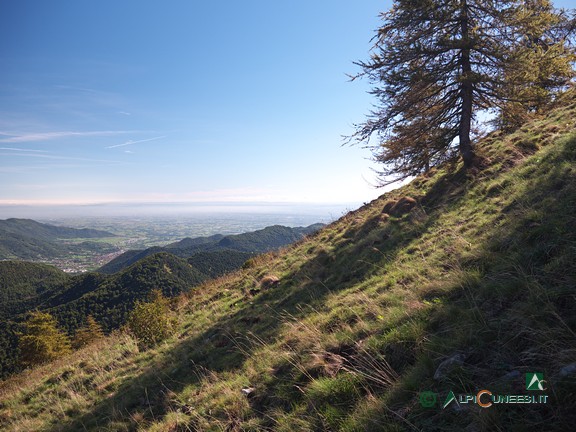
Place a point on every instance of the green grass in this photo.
(364, 313)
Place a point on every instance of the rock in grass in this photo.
(567, 370)
(248, 391)
(399, 207)
(269, 281)
(448, 365)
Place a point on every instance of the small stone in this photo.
(511, 376)
(447, 365)
(269, 281)
(567, 370)
(247, 391)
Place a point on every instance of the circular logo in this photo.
(427, 399)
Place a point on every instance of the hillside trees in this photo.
(151, 322)
(41, 340)
(436, 63)
(92, 331)
(541, 63)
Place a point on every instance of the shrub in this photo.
(41, 340)
(87, 334)
(152, 322)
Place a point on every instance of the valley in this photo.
(141, 232)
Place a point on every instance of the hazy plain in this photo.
(144, 225)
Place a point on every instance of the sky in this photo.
(183, 101)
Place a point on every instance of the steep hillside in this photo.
(28, 239)
(455, 283)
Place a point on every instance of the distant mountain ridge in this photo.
(32, 228)
(194, 242)
(28, 239)
(259, 241)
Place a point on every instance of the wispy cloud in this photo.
(130, 142)
(34, 169)
(22, 150)
(21, 169)
(57, 157)
(82, 89)
(46, 136)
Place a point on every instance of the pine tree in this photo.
(434, 65)
(41, 340)
(91, 332)
(540, 67)
(400, 154)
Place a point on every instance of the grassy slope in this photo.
(484, 265)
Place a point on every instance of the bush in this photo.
(152, 322)
(42, 341)
(91, 332)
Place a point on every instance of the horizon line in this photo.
(158, 203)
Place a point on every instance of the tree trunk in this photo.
(466, 93)
(465, 145)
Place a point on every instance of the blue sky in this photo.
(183, 101)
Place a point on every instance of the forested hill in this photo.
(460, 281)
(28, 286)
(229, 246)
(28, 239)
(266, 239)
(21, 282)
(31, 228)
